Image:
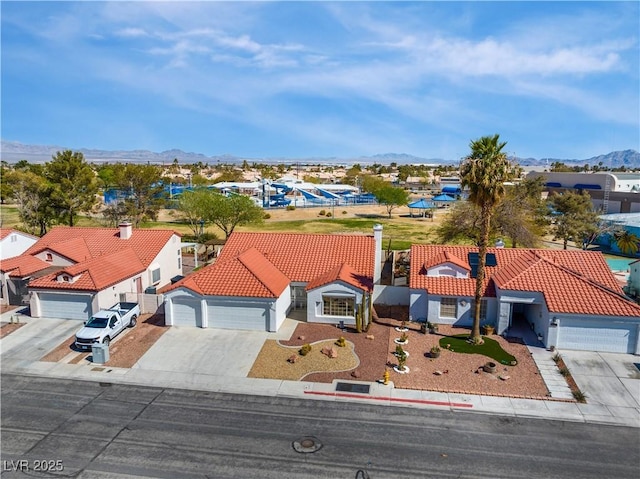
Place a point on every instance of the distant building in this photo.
(609, 192)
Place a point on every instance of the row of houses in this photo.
(569, 298)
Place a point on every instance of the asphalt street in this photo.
(101, 430)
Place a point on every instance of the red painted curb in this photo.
(382, 398)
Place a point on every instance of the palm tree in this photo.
(484, 172)
(627, 242)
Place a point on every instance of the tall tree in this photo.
(522, 216)
(74, 184)
(33, 195)
(232, 211)
(575, 219)
(484, 172)
(143, 190)
(196, 206)
(391, 197)
(460, 225)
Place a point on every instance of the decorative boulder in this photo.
(293, 359)
(330, 352)
(370, 336)
(355, 374)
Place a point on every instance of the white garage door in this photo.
(65, 306)
(237, 316)
(186, 312)
(611, 338)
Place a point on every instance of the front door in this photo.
(138, 281)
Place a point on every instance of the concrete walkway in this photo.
(190, 358)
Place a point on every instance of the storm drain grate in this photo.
(353, 388)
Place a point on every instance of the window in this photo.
(49, 257)
(179, 263)
(448, 308)
(155, 275)
(14, 238)
(338, 306)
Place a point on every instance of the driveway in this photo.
(213, 352)
(609, 380)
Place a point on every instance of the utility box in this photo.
(100, 353)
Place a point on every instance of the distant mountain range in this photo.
(12, 151)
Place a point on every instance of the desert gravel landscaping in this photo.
(451, 372)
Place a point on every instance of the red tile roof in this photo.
(249, 274)
(84, 243)
(303, 257)
(446, 257)
(100, 255)
(24, 265)
(345, 273)
(571, 281)
(96, 274)
(262, 264)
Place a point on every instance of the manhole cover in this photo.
(307, 444)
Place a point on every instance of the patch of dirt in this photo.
(8, 307)
(125, 351)
(8, 328)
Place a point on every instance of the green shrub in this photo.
(305, 349)
(329, 214)
(344, 212)
(341, 342)
(322, 212)
(564, 372)
(556, 358)
(291, 207)
(266, 216)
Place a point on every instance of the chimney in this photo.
(377, 267)
(126, 230)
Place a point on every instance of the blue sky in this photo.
(315, 79)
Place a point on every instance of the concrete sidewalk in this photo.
(189, 358)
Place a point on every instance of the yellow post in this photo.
(386, 377)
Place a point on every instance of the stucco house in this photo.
(570, 298)
(259, 278)
(72, 272)
(14, 242)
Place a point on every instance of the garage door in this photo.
(605, 337)
(65, 306)
(237, 316)
(186, 312)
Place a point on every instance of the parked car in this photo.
(106, 324)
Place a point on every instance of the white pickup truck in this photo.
(106, 324)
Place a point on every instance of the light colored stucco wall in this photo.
(15, 244)
(315, 302)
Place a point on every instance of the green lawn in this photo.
(490, 348)
(398, 233)
(401, 233)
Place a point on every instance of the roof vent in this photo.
(126, 230)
